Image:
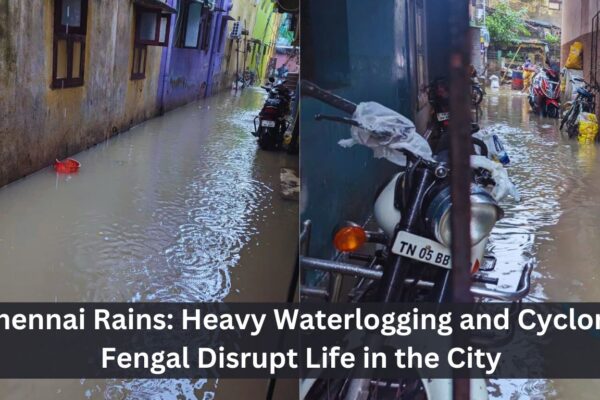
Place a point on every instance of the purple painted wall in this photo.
(191, 74)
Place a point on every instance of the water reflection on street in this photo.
(180, 208)
(556, 225)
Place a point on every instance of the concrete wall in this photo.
(191, 74)
(245, 12)
(361, 59)
(577, 26)
(39, 124)
(265, 31)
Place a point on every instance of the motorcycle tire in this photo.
(266, 139)
(552, 112)
(476, 95)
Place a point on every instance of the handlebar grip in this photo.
(310, 89)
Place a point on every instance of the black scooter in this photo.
(271, 123)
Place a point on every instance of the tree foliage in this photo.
(506, 25)
(552, 39)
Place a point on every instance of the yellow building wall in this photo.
(39, 124)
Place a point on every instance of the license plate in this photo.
(443, 116)
(268, 124)
(421, 249)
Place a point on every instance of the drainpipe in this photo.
(165, 66)
(213, 51)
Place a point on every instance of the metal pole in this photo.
(460, 150)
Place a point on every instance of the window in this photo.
(222, 33)
(190, 35)
(68, 50)
(138, 69)
(152, 27)
(206, 24)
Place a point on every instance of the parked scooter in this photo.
(413, 214)
(272, 122)
(544, 94)
(584, 102)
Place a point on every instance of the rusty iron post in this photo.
(460, 150)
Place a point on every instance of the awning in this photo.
(156, 5)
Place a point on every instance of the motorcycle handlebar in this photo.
(310, 89)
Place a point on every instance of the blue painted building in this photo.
(384, 51)
(191, 63)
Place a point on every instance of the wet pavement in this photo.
(183, 207)
(556, 224)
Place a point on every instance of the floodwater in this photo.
(183, 207)
(556, 225)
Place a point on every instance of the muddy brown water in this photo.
(556, 225)
(183, 207)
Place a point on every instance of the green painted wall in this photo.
(265, 32)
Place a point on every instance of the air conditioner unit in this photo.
(235, 30)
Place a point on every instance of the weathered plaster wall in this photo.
(577, 26)
(39, 124)
(189, 75)
(265, 31)
(245, 12)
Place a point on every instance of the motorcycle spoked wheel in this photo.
(326, 389)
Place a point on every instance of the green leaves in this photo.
(506, 25)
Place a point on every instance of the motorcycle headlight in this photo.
(484, 214)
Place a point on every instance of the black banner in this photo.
(227, 340)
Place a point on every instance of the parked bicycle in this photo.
(584, 102)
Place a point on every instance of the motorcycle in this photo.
(438, 95)
(477, 91)
(412, 211)
(584, 102)
(271, 123)
(544, 93)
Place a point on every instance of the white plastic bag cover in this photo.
(386, 131)
(504, 186)
(488, 138)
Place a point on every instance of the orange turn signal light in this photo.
(349, 238)
(475, 268)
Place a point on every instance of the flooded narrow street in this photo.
(556, 224)
(183, 207)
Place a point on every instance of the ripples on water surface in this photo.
(554, 225)
(160, 213)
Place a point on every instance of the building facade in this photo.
(388, 58)
(577, 26)
(75, 72)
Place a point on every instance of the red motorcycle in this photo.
(544, 93)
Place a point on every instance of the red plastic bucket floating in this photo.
(67, 166)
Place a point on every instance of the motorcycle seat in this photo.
(585, 93)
